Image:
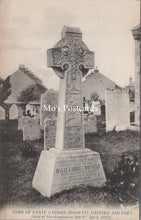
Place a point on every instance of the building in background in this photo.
(96, 82)
(21, 80)
(94, 85)
(131, 89)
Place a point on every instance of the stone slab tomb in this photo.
(69, 164)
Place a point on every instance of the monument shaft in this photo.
(70, 59)
(69, 164)
(70, 118)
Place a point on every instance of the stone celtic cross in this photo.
(69, 164)
(70, 59)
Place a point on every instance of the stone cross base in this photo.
(62, 170)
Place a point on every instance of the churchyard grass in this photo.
(19, 160)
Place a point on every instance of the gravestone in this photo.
(49, 133)
(13, 112)
(117, 109)
(69, 164)
(31, 130)
(22, 121)
(96, 107)
(2, 113)
(20, 112)
(90, 124)
(48, 107)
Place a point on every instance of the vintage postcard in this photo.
(70, 109)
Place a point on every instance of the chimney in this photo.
(96, 70)
(130, 80)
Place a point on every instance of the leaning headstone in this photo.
(69, 164)
(31, 130)
(117, 109)
(49, 133)
(2, 113)
(49, 104)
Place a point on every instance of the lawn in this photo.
(18, 164)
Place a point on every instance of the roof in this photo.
(95, 71)
(31, 75)
(18, 85)
(34, 103)
(138, 26)
(136, 31)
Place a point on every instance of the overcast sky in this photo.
(29, 27)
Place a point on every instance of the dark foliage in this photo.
(5, 89)
(124, 179)
(1, 81)
(28, 150)
(94, 96)
(28, 95)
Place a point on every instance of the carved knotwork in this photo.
(72, 52)
(71, 59)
